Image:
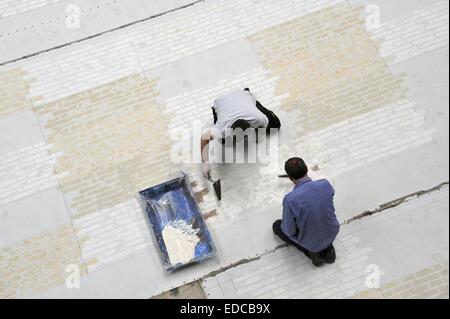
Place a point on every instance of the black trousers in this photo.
(274, 121)
(279, 232)
(327, 255)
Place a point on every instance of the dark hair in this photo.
(242, 124)
(296, 168)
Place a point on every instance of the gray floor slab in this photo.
(32, 216)
(205, 68)
(392, 9)
(18, 131)
(45, 27)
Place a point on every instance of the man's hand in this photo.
(206, 170)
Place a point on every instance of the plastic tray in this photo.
(179, 228)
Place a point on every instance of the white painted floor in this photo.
(401, 241)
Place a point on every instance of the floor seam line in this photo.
(124, 26)
(396, 202)
(386, 206)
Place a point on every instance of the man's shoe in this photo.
(316, 259)
(329, 255)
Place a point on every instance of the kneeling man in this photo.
(309, 220)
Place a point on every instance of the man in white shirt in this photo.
(235, 110)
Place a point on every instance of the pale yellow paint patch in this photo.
(13, 92)
(328, 65)
(113, 142)
(38, 263)
(429, 283)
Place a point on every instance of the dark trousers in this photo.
(274, 121)
(327, 255)
(279, 232)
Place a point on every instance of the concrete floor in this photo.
(189, 291)
(85, 126)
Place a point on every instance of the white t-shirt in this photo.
(238, 105)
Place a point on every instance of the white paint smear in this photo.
(181, 240)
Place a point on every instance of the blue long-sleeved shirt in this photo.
(309, 217)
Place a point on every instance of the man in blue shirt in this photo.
(309, 220)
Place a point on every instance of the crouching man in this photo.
(236, 110)
(309, 220)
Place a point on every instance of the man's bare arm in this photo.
(206, 138)
(204, 145)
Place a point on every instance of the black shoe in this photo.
(329, 255)
(316, 259)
